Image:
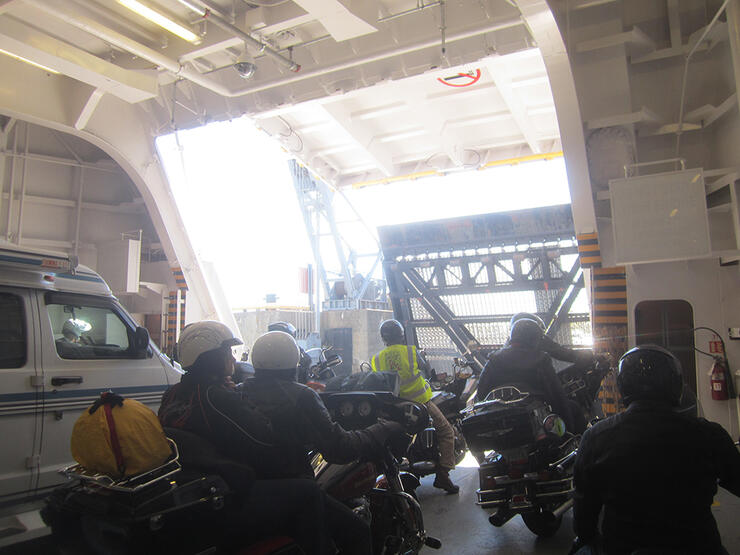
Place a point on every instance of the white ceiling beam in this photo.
(674, 23)
(22, 40)
(338, 20)
(88, 109)
(268, 21)
(212, 48)
(503, 82)
(359, 134)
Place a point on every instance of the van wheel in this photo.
(543, 524)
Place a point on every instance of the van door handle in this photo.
(63, 380)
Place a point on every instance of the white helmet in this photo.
(275, 350)
(200, 337)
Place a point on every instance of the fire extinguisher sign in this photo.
(715, 347)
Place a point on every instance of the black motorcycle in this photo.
(529, 455)
(451, 394)
(170, 509)
(376, 489)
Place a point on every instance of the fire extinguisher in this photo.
(718, 378)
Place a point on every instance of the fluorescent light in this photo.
(26, 60)
(159, 19)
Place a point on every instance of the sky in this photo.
(233, 188)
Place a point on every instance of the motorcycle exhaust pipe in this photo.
(562, 509)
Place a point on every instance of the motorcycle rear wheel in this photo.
(542, 524)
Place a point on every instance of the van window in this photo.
(88, 332)
(12, 332)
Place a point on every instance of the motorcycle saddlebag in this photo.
(498, 426)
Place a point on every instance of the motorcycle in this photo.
(450, 395)
(377, 490)
(169, 509)
(322, 371)
(529, 455)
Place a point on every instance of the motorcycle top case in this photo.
(500, 426)
(119, 437)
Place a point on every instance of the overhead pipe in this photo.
(431, 43)
(708, 28)
(124, 43)
(24, 183)
(10, 185)
(204, 11)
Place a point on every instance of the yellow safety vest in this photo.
(402, 359)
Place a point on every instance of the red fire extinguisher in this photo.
(718, 378)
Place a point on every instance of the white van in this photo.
(64, 339)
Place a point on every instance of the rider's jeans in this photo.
(445, 436)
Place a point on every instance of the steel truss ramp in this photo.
(456, 283)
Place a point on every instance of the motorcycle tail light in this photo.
(489, 482)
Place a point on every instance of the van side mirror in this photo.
(141, 341)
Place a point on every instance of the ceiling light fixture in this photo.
(29, 62)
(159, 19)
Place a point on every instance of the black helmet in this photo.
(391, 332)
(526, 316)
(526, 333)
(650, 372)
(285, 327)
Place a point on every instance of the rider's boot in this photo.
(442, 481)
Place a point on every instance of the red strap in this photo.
(115, 444)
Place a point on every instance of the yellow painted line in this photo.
(431, 173)
(607, 271)
(610, 319)
(610, 295)
(608, 306)
(590, 259)
(588, 248)
(587, 236)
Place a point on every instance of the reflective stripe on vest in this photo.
(402, 359)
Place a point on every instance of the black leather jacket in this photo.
(654, 472)
(210, 408)
(531, 368)
(301, 423)
(558, 352)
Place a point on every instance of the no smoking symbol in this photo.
(461, 79)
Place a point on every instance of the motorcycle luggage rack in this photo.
(508, 394)
(128, 484)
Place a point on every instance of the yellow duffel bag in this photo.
(119, 437)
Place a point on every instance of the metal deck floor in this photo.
(463, 527)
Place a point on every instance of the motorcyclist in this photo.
(206, 404)
(304, 366)
(406, 361)
(549, 346)
(301, 423)
(522, 361)
(652, 470)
